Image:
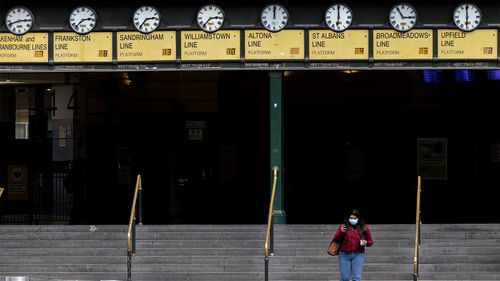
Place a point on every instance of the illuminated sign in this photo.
(202, 46)
(457, 44)
(393, 45)
(92, 47)
(330, 45)
(283, 45)
(136, 46)
(31, 48)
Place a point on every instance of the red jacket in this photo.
(351, 239)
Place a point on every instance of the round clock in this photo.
(146, 19)
(467, 16)
(274, 17)
(82, 19)
(210, 18)
(338, 17)
(403, 17)
(19, 20)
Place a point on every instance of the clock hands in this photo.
(466, 15)
(146, 19)
(404, 17)
(18, 21)
(274, 12)
(399, 11)
(211, 18)
(84, 19)
(338, 14)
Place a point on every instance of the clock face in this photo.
(403, 17)
(82, 19)
(146, 19)
(274, 17)
(338, 17)
(467, 16)
(19, 20)
(210, 18)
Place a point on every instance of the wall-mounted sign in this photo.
(92, 47)
(31, 47)
(202, 46)
(265, 45)
(17, 183)
(393, 45)
(432, 159)
(457, 44)
(156, 46)
(330, 45)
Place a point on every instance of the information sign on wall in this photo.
(265, 45)
(156, 46)
(330, 45)
(457, 44)
(393, 45)
(31, 48)
(201, 46)
(17, 184)
(92, 47)
(432, 158)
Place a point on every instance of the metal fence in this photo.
(48, 200)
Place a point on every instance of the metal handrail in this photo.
(417, 232)
(131, 225)
(269, 243)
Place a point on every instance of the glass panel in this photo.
(22, 114)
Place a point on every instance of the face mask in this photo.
(353, 221)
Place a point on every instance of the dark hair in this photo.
(361, 222)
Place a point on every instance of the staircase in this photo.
(235, 253)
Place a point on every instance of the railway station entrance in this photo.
(201, 142)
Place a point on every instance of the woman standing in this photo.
(353, 235)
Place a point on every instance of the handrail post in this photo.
(139, 199)
(417, 232)
(271, 240)
(269, 243)
(131, 233)
(129, 265)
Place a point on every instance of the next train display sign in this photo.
(156, 46)
(251, 49)
(346, 45)
(89, 48)
(480, 44)
(217, 46)
(283, 45)
(394, 45)
(28, 48)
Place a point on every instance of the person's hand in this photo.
(362, 242)
(343, 228)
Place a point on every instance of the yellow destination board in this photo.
(415, 44)
(30, 48)
(202, 46)
(478, 44)
(156, 46)
(92, 47)
(265, 45)
(330, 45)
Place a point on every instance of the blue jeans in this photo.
(351, 264)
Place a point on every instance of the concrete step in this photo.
(235, 252)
